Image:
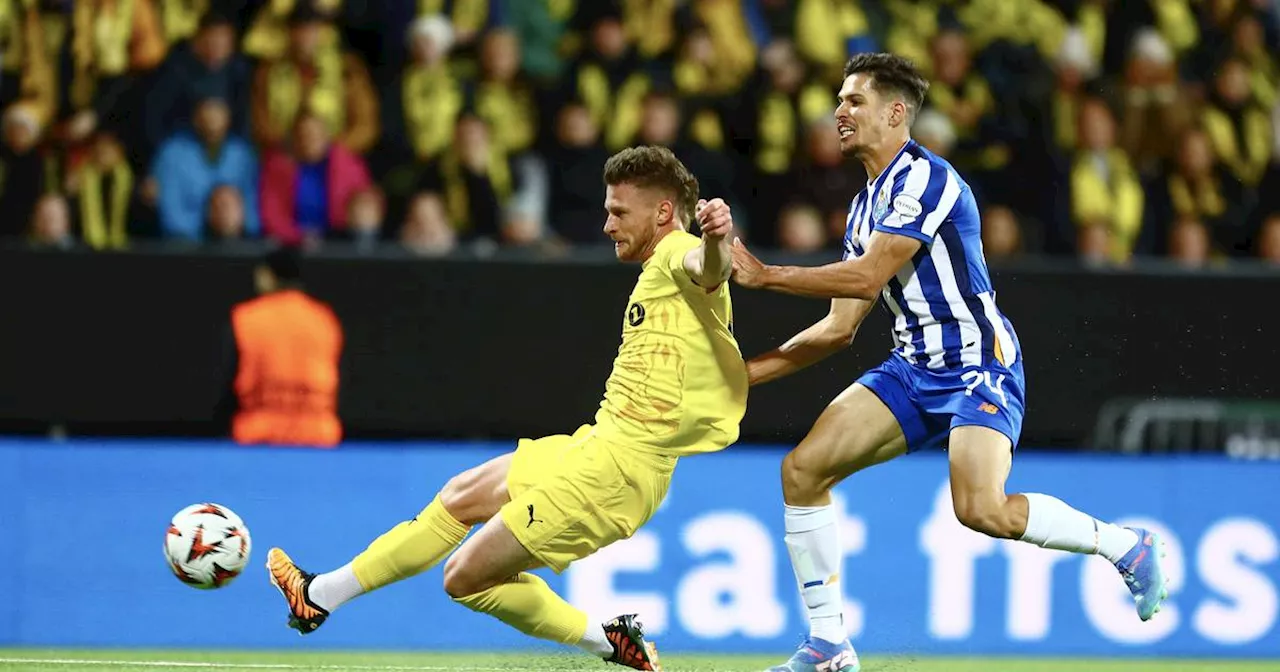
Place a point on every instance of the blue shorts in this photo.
(929, 404)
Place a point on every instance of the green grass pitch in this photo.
(195, 661)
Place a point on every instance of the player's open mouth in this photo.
(845, 131)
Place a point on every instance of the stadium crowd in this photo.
(1106, 129)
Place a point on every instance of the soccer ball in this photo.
(207, 545)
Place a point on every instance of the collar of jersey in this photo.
(875, 184)
(664, 241)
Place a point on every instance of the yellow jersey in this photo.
(679, 385)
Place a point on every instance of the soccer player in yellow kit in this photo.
(678, 387)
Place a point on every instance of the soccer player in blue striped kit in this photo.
(954, 379)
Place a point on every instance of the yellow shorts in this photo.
(573, 495)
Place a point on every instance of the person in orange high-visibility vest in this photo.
(285, 353)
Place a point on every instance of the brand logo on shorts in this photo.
(988, 407)
(532, 520)
(635, 315)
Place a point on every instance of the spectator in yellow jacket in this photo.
(1106, 195)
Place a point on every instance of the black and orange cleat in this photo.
(626, 634)
(304, 615)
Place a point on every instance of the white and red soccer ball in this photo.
(207, 545)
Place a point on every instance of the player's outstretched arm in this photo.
(826, 337)
(858, 278)
(710, 263)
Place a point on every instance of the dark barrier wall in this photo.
(510, 348)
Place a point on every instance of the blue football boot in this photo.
(819, 655)
(1144, 574)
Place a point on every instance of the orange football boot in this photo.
(304, 615)
(630, 649)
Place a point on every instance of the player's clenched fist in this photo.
(714, 218)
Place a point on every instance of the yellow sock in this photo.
(409, 548)
(529, 605)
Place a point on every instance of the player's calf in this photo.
(980, 461)
(490, 557)
(461, 579)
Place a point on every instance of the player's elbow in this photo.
(861, 282)
(835, 334)
(861, 287)
(712, 278)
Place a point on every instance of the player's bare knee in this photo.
(802, 478)
(455, 497)
(984, 514)
(457, 580)
(472, 498)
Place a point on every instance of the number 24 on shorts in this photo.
(976, 378)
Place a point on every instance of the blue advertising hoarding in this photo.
(82, 525)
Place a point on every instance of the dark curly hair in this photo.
(655, 167)
(892, 75)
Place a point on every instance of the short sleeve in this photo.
(921, 199)
(676, 251)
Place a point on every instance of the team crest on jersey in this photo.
(882, 205)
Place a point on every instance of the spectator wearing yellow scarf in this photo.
(431, 97)
(1239, 127)
(1106, 197)
(1198, 187)
(110, 39)
(32, 41)
(104, 184)
(323, 80)
(608, 80)
(828, 31)
(475, 178)
(500, 89)
(268, 35)
(1249, 45)
(180, 19)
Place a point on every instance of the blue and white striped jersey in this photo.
(943, 304)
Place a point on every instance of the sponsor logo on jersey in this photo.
(635, 315)
(907, 206)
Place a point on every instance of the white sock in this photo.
(1053, 524)
(813, 541)
(332, 589)
(594, 642)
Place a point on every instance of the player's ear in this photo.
(666, 212)
(901, 113)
